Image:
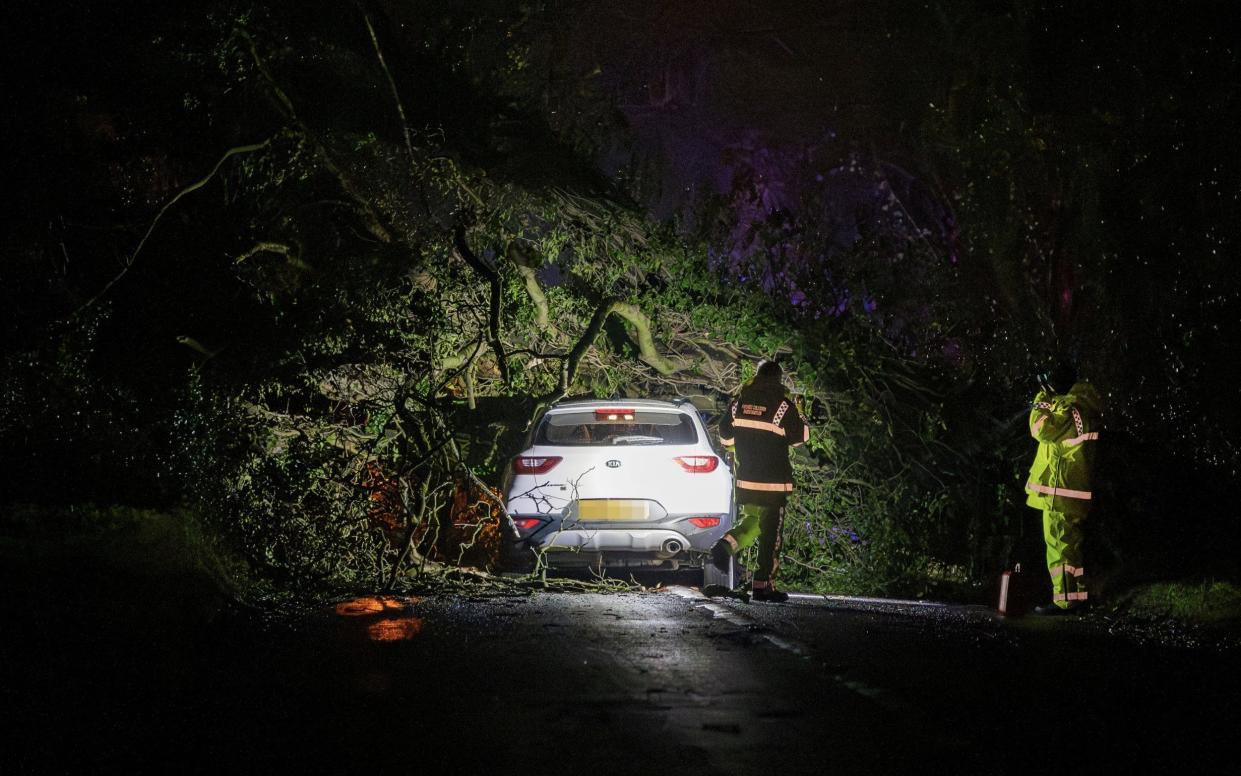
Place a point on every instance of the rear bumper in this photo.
(625, 536)
(667, 543)
(564, 560)
(671, 543)
(619, 548)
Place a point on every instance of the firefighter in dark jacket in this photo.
(762, 423)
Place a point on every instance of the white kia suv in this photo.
(620, 483)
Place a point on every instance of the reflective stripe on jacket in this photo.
(1067, 428)
(763, 423)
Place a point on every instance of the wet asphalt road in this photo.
(586, 683)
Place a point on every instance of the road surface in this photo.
(664, 682)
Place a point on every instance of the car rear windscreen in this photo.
(601, 427)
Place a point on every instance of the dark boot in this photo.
(768, 594)
(1051, 610)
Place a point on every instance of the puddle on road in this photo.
(388, 618)
(395, 629)
(375, 604)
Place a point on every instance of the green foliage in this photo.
(172, 547)
(68, 432)
(286, 499)
(1212, 602)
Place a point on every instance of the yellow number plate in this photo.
(607, 509)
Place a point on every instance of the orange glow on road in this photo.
(373, 604)
(395, 629)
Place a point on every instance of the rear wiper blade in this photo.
(637, 439)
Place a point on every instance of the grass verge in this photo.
(162, 558)
(1211, 603)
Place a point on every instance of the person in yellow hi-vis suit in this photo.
(1065, 420)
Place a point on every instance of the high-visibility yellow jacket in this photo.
(1067, 430)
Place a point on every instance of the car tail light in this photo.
(698, 464)
(529, 464)
(526, 523)
(705, 522)
(614, 413)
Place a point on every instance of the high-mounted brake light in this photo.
(528, 464)
(698, 464)
(614, 413)
(526, 523)
(705, 522)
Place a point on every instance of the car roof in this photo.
(645, 404)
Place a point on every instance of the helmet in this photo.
(769, 368)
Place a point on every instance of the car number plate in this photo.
(608, 509)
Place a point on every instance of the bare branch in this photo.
(451, 443)
(374, 222)
(396, 95)
(528, 272)
(646, 346)
(195, 186)
(646, 343)
(497, 295)
(264, 247)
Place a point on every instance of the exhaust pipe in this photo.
(673, 546)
